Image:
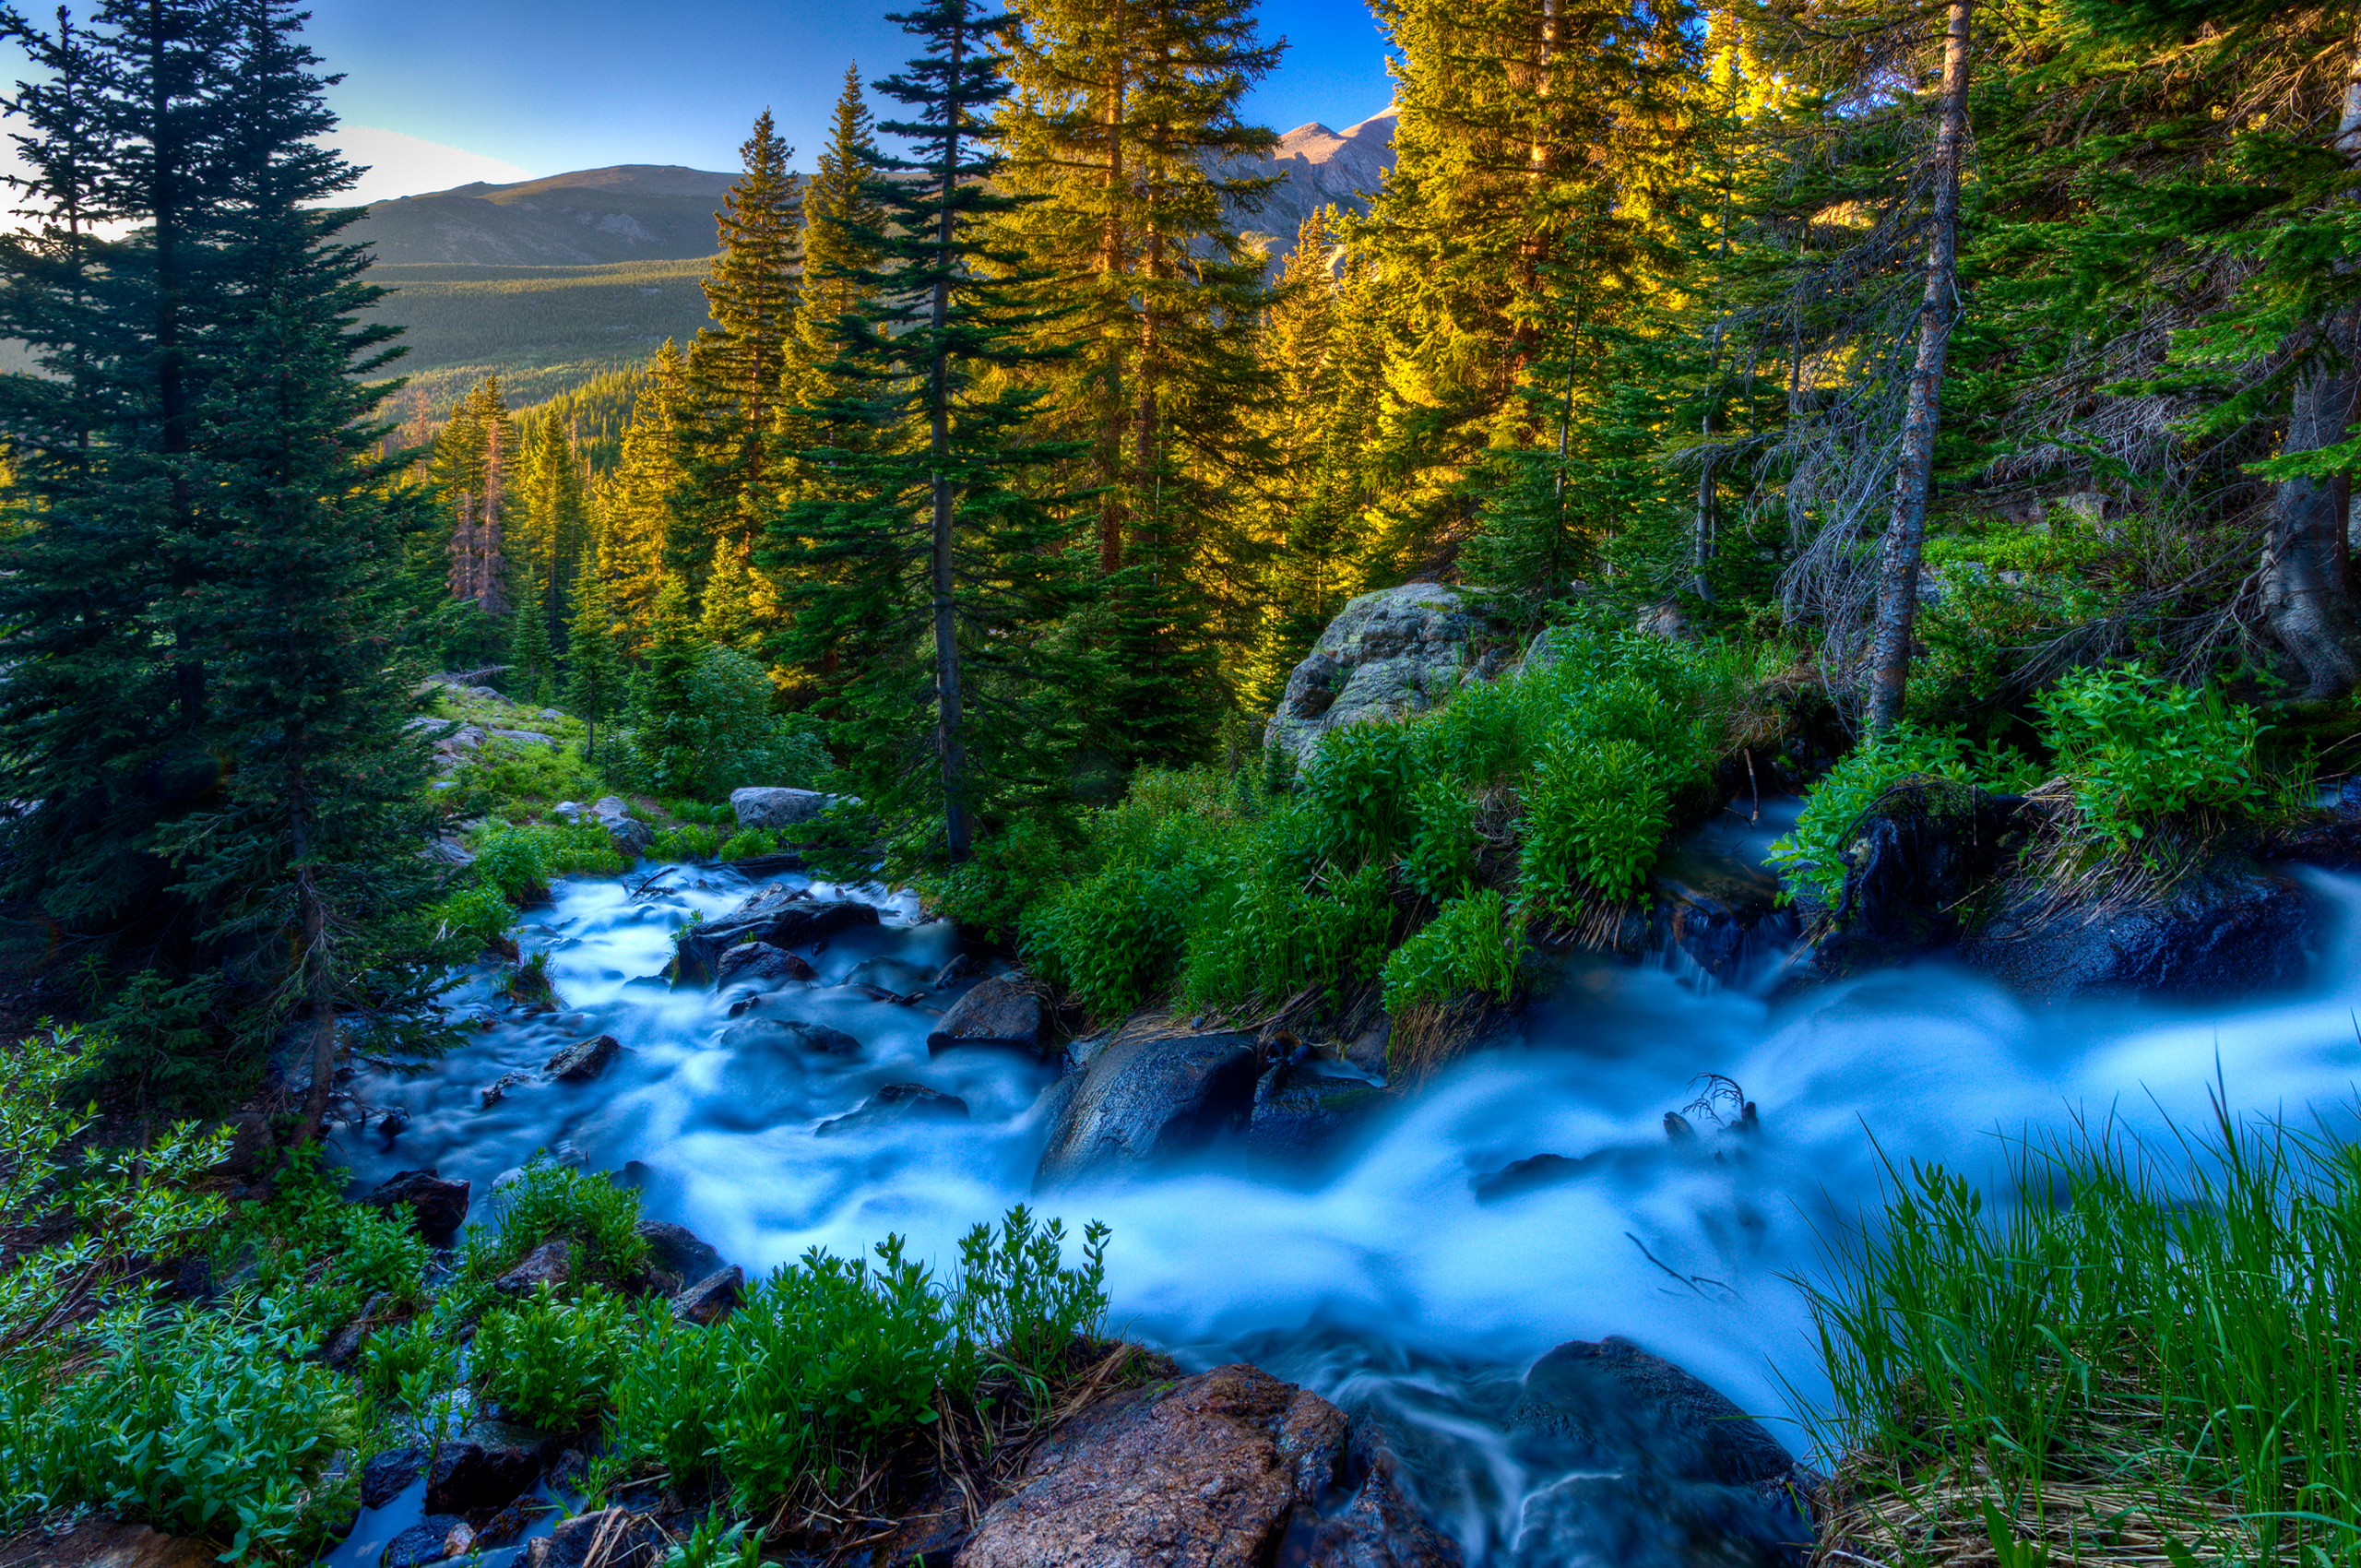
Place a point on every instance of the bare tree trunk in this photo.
(2307, 588)
(1906, 532)
(949, 748)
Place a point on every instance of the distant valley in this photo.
(549, 283)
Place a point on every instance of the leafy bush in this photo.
(830, 1361)
(550, 1363)
(1471, 945)
(1275, 936)
(521, 771)
(732, 736)
(1593, 815)
(1811, 856)
(689, 841)
(325, 1258)
(481, 914)
(1358, 789)
(2139, 749)
(546, 1200)
(206, 1423)
(748, 841)
(1440, 860)
(1008, 874)
(519, 861)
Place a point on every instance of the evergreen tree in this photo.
(736, 365)
(727, 617)
(838, 211)
(913, 537)
(594, 673)
(663, 698)
(531, 676)
(638, 532)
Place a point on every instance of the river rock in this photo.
(773, 809)
(429, 1540)
(1385, 654)
(778, 916)
(1146, 1098)
(436, 1205)
(387, 1476)
(1650, 1521)
(584, 1059)
(995, 1011)
(2228, 932)
(631, 838)
(788, 1034)
(760, 964)
(711, 1299)
(678, 1252)
(896, 1103)
(497, 1090)
(485, 1466)
(1611, 1402)
(611, 1537)
(1912, 864)
(1301, 1116)
(1204, 1473)
(550, 1263)
(521, 737)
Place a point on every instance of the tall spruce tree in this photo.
(270, 883)
(737, 364)
(594, 674)
(915, 536)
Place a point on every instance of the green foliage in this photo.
(1274, 934)
(325, 1259)
(687, 841)
(548, 1361)
(520, 771)
(747, 841)
(1440, 860)
(990, 893)
(711, 1545)
(208, 1423)
(722, 733)
(1811, 856)
(1991, 1344)
(547, 1200)
(519, 861)
(831, 1360)
(1470, 948)
(479, 915)
(2141, 749)
(1358, 786)
(1593, 815)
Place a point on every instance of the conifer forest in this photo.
(1718, 725)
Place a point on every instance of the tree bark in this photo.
(949, 749)
(1906, 530)
(2308, 588)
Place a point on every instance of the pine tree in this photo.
(663, 707)
(531, 676)
(838, 211)
(736, 365)
(274, 883)
(594, 674)
(727, 618)
(638, 531)
(913, 536)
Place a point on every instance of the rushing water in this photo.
(1379, 1276)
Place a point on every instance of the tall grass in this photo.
(2148, 1355)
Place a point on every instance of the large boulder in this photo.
(677, 1251)
(436, 1205)
(995, 1011)
(1147, 1098)
(1385, 654)
(1212, 1471)
(782, 917)
(1670, 1473)
(761, 967)
(773, 809)
(2226, 932)
(631, 837)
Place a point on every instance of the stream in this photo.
(1379, 1276)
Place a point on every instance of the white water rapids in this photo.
(1378, 1275)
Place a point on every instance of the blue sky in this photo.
(441, 91)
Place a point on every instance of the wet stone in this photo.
(609, 1539)
(711, 1299)
(760, 964)
(489, 1466)
(995, 1011)
(426, 1542)
(676, 1250)
(788, 1034)
(389, 1474)
(896, 1103)
(550, 1264)
(584, 1059)
(436, 1205)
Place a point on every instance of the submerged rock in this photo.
(1913, 862)
(895, 1103)
(788, 1034)
(2228, 932)
(758, 964)
(1611, 1402)
(995, 1011)
(486, 1466)
(387, 1476)
(1651, 1521)
(584, 1059)
(436, 1205)
(1146, 1098)
(1385, 654)
(781, 917)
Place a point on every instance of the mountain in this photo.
(1317, 167)
(630, 212)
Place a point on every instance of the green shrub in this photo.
(1811, 856)
(1358, 789)
(519, 861)
(1275, 935)
(479, 913)
(2140, 748)
(1440, 860)
(1595, 813)
(546, 1200)
(325, 1258)
(204, 1423)
(550, 1362)
(1114, 937)
(689, 841)
(748, 841)
(829, 1361)
(732, 736)
(1471, 946)
(520, 771)
(1010, 873)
